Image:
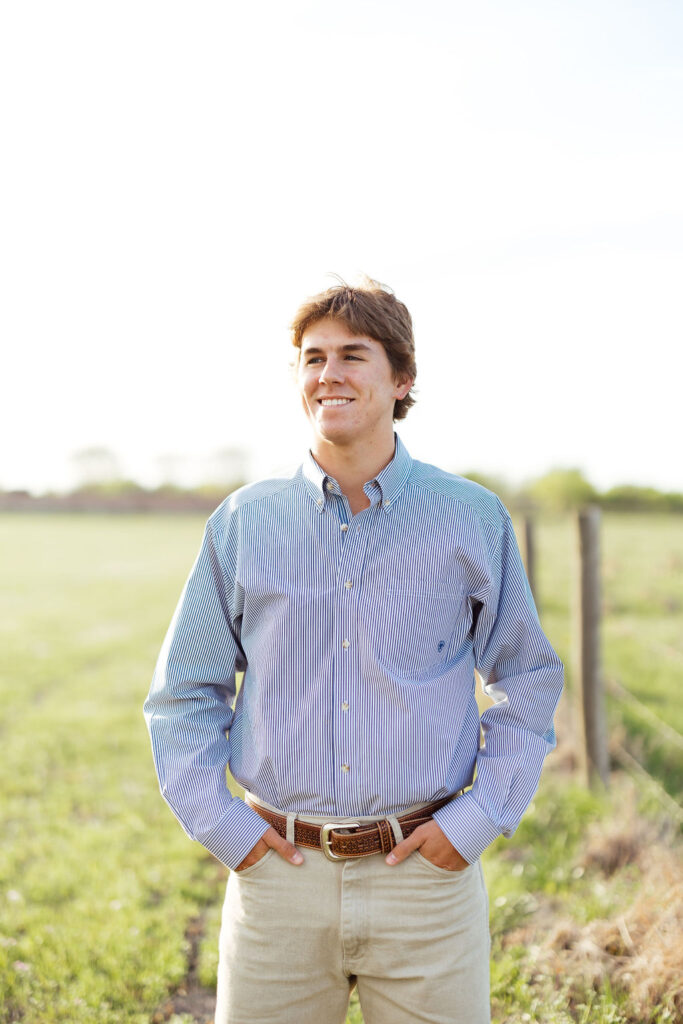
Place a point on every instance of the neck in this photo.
(353, 466)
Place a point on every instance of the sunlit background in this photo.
(177, 177)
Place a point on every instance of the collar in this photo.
(386, 486)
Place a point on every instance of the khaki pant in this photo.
(414, 938)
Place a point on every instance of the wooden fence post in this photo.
(588, 669)
(530, 554)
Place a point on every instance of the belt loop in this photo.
(291, 818)
(395, 828)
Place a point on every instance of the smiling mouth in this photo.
(327, 402)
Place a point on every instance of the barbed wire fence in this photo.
(599, 744)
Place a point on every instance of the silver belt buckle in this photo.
(326, 840)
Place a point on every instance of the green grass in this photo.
(97, 880)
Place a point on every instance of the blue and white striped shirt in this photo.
(359, 636)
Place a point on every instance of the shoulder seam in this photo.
(282, 486)
(277, 488)
(422, 485)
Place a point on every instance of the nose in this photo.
(331, 372)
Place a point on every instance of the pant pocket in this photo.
(253, 868)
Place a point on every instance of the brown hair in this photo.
(370, 310)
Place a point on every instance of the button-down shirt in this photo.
(359, 636)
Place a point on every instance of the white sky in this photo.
(176, 177)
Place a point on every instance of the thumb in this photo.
(286, 850)
(404, 848)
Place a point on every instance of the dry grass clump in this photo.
(614, 846)
(639, 951)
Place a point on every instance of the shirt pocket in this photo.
(412, 638)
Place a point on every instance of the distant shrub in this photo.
(110, 488)
(674, 501)
(632, 498)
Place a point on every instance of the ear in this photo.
(403, 386)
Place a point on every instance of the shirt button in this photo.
(345, 705)
(345, 644)
(344, 527)
(386, 504)
(345, 768)
(319, 501)
(348, 584)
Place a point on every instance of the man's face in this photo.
(347, 385)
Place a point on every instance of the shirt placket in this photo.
(346, 658)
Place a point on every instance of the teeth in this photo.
(334, 401)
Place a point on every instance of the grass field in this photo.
(108, 913)
(642, 573)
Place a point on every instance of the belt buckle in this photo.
(326, 841)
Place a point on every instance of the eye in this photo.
(313, 359)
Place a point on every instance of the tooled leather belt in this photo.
(341, 840)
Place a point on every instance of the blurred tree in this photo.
(226, 465)
(560, 489)
(96, 465)
(173, 469)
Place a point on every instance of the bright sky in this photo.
(176, 177)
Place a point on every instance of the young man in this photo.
(360, 595)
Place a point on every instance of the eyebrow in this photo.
(350, 347)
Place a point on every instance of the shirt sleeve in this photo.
(524, 677)
(188, 712)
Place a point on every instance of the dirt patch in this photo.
(191, 998)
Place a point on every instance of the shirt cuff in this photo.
(466, 826)
(235, 834)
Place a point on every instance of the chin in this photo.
(332, 436)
